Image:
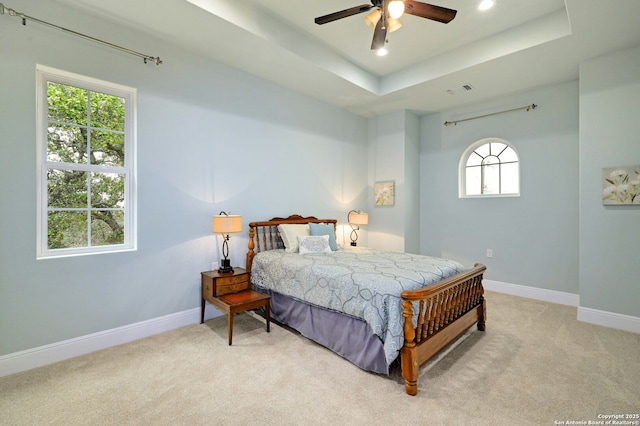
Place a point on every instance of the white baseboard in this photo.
(59, 351)
(545, 295)
(609, 319)
(593, 316)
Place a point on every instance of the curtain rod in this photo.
(528, 107)
(11, 12)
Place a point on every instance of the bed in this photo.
(369, 306)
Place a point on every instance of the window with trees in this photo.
(86, 182)
(489, 167)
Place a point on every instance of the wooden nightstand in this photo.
(232, 294)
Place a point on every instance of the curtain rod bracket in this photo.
(11, 12)
(527, 108)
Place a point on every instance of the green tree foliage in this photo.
(86, 206)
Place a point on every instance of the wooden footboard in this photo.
(444, 311)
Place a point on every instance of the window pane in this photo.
(491, 176)
(497, 148)
(508, 156)
(107, 227)
(67, 144)
(474, 159)
(510, 179)
(84, 132)
(67, 189)
(483, 150)
(107, 190)
(67, 229)
(107, 112)
(67, 104)
(473, 181)
(492, 168)
(107, 148)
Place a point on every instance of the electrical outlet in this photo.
(489, 253)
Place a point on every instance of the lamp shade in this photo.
(223, 224)
(358, 218)
(394, 24)
(373, 18)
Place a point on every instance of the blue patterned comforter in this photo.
(361, 282)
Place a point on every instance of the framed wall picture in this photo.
(621, 185)
(384, 193)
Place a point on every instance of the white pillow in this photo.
(314, 244)
(289, 234)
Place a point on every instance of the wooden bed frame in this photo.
(446, 309)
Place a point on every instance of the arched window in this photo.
(489, 167)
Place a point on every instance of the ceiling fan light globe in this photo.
(373, 18)
(382, 51)
(396, 9)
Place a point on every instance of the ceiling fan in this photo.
(386, 13)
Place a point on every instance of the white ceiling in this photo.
(516, 46)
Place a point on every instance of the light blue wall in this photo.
(412, 183)
(394, 146)
(534, 237)
(386, 163)
(210, 138)
(609, 137)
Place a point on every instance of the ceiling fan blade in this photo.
(342, 14)
(380, 34)
(429, 11)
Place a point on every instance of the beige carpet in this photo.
(535, 365)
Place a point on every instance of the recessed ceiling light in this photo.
(486, 4)
(382, 52)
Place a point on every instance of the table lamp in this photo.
(225, 223)
(355, 219)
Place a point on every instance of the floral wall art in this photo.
(383, 193)
(621, 185)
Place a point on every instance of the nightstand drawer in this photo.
(215, 284)
(232, 279)
(231, 288)
(232, 284)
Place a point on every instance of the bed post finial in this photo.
(250, 252)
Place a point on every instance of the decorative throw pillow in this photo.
(314, 244)
(289, 234)
(325, 229)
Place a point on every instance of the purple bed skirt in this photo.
(345, 335)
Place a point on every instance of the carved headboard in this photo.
(265, 235)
